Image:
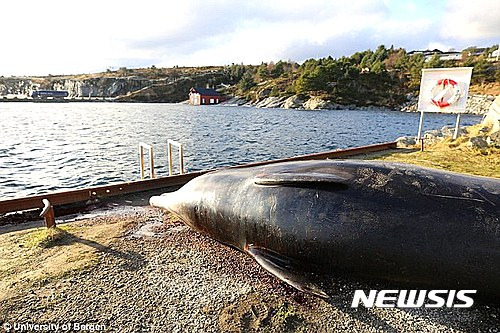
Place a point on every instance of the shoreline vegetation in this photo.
(476, 151)
(384, 78)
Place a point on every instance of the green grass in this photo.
(46, 237)
(454, 155)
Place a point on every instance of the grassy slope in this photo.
(492, 88)
(33, 257)
(453, 155)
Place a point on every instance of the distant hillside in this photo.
(141, 85)
(386, 77)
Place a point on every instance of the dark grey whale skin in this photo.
(388, 221)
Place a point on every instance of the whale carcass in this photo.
(388, 221)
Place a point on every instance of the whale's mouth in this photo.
(173, 203)
(166, 201)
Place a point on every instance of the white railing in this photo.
(143, 146)
(170, 143)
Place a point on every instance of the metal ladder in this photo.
(170, 143)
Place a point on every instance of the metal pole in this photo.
(151, 163)
(170, 163)
(181, 159)
(457, 126)
(419, 135)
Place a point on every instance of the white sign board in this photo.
(444, 89)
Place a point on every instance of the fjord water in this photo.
(54, 146)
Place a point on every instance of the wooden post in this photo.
(48, 214)
(457, 127)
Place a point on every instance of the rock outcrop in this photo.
(293, 102)
(269, 102)
(316, 103)
(474, 137)
(406, 141)
(493, 116)
(91, 87)
(16, 86)
(476, 104)
(234, 101)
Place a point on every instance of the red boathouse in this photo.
(204, 96)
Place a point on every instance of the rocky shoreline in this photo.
(476, 104)
(295, 102)
(484, 139)
(488, 134)
(173, 89)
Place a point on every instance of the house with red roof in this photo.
(204, 96)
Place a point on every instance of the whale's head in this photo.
(183, 203)
(203, 204)
(229, 204)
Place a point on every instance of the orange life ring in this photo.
(445, 93)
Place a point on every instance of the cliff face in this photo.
(15, 86)
(170, 88)
(101, 87)
(93, 87)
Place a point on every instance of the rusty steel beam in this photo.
(73, 196)
(329, 154)
(66, 197)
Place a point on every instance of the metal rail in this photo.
(329, 154)
(171, 143)
(67, 197)
(143, 146)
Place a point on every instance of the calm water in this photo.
(47, 147)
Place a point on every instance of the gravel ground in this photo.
(164, 277)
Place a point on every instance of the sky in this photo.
(64, 37)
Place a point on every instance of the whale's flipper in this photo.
(283, 268)
(311, 179)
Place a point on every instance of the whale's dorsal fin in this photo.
(284, 269)
(311, 179)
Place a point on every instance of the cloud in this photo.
(270, 30)
(468, 21)
(54, 37)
